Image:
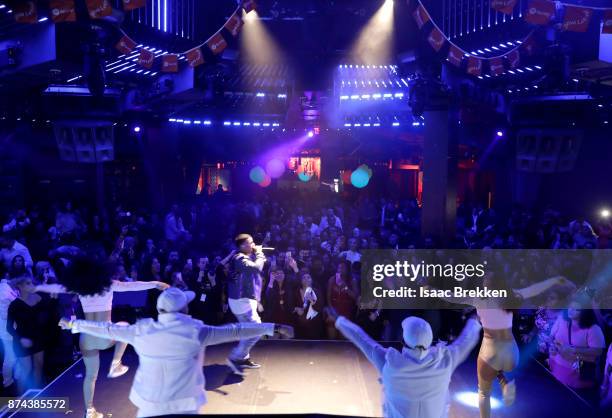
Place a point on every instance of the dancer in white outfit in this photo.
(170, 379)
(415, 381)
(90, 280)
(499, 353)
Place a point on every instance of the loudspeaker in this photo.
(85, 141)
(547, 150)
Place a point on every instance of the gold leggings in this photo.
(499, 353)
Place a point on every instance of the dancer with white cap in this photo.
(169, 379)
(415, 381)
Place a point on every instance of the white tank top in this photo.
(495, 318)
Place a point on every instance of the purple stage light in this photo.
(310, 134)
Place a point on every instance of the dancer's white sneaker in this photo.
(509, 392)
(92, 413)
(117, 370)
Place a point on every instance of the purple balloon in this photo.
(275, 168)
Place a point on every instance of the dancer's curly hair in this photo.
(87, 275)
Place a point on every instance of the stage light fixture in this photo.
(137, 129)
(604, 213)
(499, 134)
(310, 134)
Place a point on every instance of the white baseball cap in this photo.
(174, 300)
(417, 332)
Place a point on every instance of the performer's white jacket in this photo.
(415, 388)
(170, 379)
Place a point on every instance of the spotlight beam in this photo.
(375, 42)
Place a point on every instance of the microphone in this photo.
(268, 249)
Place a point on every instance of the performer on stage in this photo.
(91, 281)
(499, 353)
(170, 379)
(415, 381)
(244, 294)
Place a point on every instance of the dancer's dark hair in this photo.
(88, 275)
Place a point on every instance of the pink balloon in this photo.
(266, 181)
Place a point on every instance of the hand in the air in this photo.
(286, 331)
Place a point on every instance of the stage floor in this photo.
(314, 377)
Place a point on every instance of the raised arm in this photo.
(107, 330)
(118, 286)
(541, 287)
(228, 258)
(210, 335)
(465, 343)
(246, 263)
(373, 351)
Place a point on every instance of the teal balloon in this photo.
(257, 174)
(304, 177)
(360, 178)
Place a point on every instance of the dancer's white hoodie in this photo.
(414, 387)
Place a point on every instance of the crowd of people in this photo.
(312, 268)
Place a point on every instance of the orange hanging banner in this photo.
(25, 12)
(62, 11)
(540, 12)
(474, 66)
(169, 63)
(436, 39)
(217, 43)
(455, 55)
(99, 8)
(234, 24)
(125, 45)
(145, 59)
(194, 57)
(420, 16)
(576, 19)
(496, 65)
